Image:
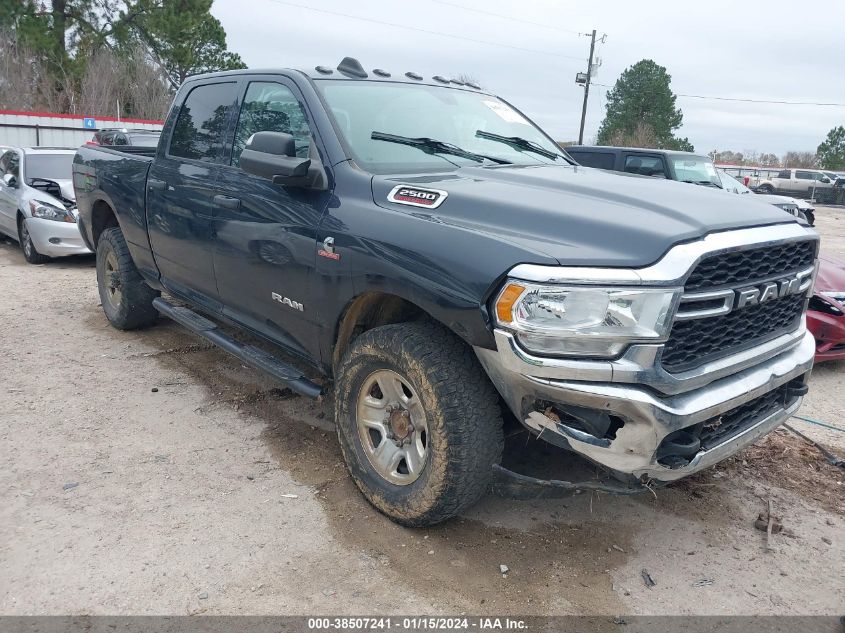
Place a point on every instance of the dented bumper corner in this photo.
(652, 435)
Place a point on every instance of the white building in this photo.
(31, 129)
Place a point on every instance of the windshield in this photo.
(697, 169)
(448, 115)
(49, 166)
(731, 184)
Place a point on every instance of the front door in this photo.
(9, 164)
(180, 192)
(265, 245)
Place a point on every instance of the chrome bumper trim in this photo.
(648, 418)
(640, 365)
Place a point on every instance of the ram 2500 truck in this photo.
(438, 259)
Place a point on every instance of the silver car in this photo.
(37, 202)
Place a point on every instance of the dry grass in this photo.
(789, 462)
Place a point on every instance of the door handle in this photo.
(227, 203)
(157, 185)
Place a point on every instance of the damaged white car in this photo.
(37, 202)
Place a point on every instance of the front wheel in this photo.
(126, 298)
(418, 422)
(810, 217)
(30, 253)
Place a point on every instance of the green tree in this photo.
(56, 41)
(184, 38)
(642, 99)
(832, 151)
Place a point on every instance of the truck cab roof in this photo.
(350, 68)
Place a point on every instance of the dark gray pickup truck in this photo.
(442, 263)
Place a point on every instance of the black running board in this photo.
(249, 354)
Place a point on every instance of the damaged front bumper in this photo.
(662, 427)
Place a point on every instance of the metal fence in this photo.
(33, 129)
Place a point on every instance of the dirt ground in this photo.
(148, 473)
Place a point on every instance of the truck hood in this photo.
(579, 215)
(772, 198)
(65, 186)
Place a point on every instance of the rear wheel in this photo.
(126, 298)
(30, 253)
(765, 189)
(418, 421)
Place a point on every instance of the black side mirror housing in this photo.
(272, 155)
(10, 181)
(825, 180)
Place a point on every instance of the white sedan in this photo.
(37, 202)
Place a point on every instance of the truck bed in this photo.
(117, 178)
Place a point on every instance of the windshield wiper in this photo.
(705, 183)
(433, 146)
(517, 142)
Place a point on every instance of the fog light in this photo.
(55, 240)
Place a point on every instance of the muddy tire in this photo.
(127, 300)
(418, 421)
(30, 253)
(765, 189)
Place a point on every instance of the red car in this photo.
(826, 316)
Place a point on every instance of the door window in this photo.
(201, 125)
(645, 166)
(803, 175)
(601, 160)
(10, 164)
(271, 107)
(783, 174)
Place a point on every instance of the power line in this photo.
(509, 18)
(414, 28)
(774, 101)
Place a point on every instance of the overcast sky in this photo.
(762, 50)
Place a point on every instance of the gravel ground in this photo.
(147, 473)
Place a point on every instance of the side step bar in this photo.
(249, 354)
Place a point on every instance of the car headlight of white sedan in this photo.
(47, 211)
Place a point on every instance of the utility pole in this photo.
(587, 88)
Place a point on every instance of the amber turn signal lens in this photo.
(504, 304)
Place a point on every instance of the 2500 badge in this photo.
(416, 197)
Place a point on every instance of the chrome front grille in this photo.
(737, 300)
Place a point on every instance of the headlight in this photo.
(836, 295)
(49, 212)
(583, 321)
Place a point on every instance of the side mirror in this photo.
(272, 155)
(10, 181)
(825, 180)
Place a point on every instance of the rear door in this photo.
(804, 180)
(266, 234)
(181, 187)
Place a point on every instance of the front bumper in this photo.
(56, 239)
(651, 406)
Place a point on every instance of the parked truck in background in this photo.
(803, 182)
(441, 263)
